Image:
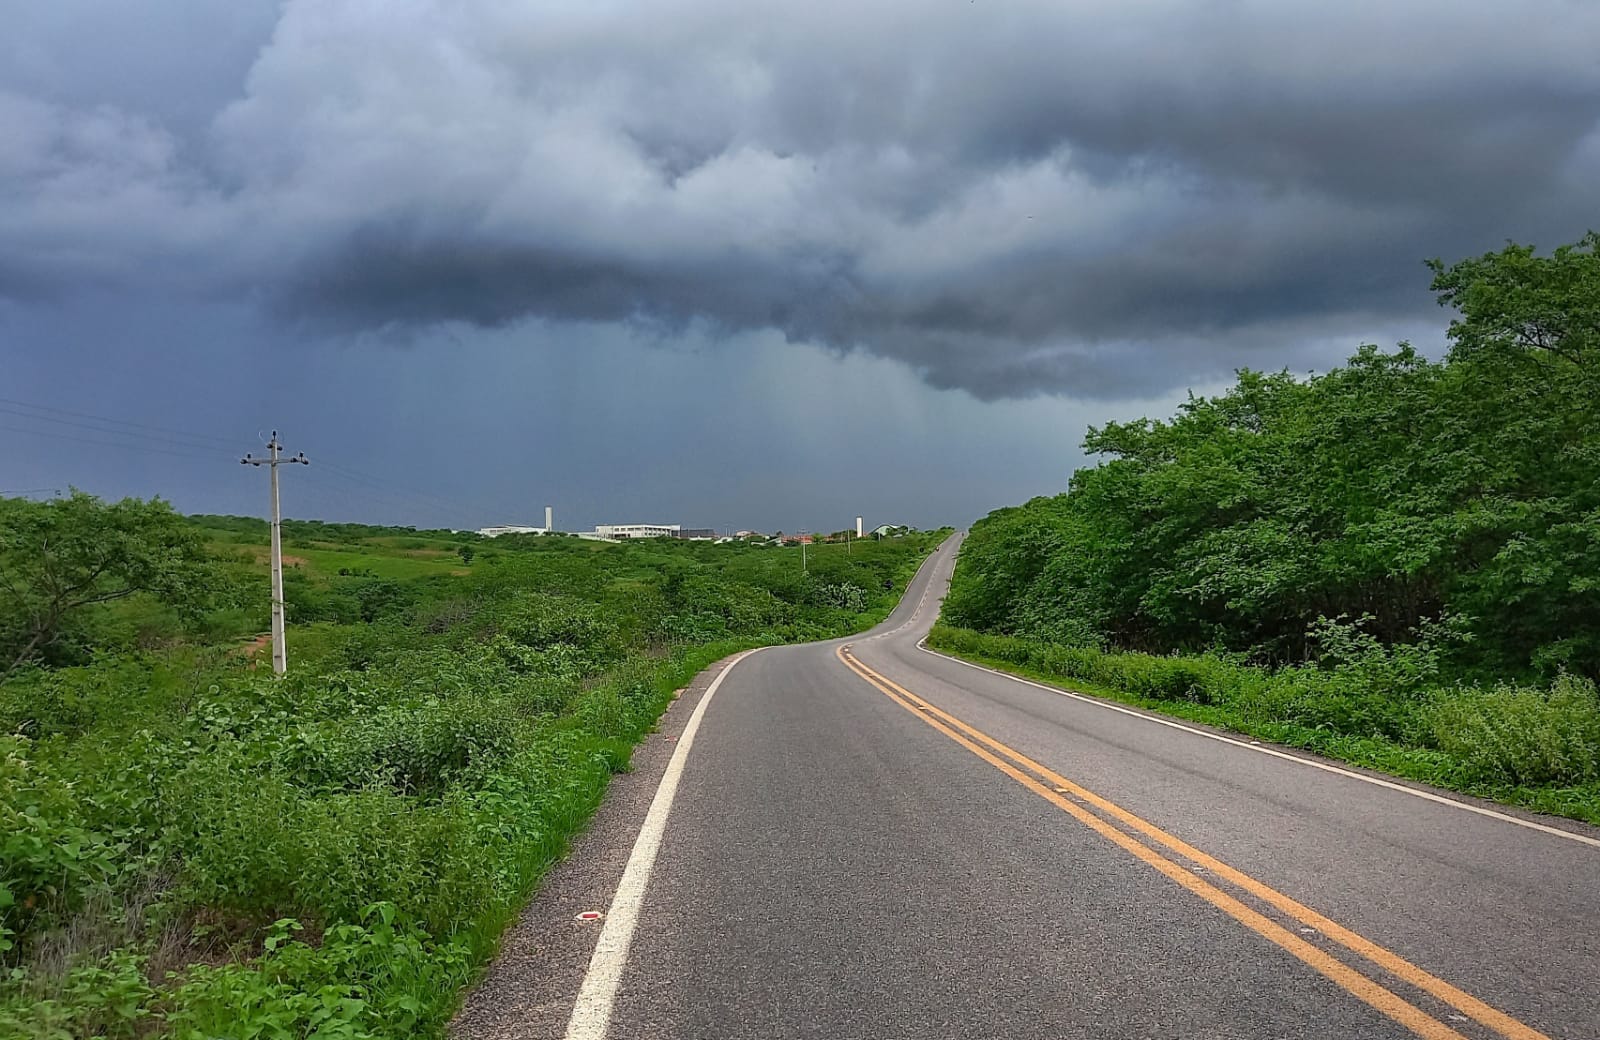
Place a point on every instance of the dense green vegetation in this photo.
(189, 847)
(1400, 550)
(76, 553)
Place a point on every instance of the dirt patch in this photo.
(254, 647)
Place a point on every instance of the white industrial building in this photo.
(549, 526)
(617, 532)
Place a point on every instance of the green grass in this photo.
(1211, 693)
(400, 564)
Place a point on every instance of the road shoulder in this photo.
(529, 988)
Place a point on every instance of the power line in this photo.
(185, 444)
(217, 441)
(52, 434)
(388, 501)
(182, 442)
(417, 495)
(372, 491)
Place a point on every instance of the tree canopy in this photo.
(1395, 489)
(60, 557)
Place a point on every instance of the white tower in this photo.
(858, 527)
(549, 519)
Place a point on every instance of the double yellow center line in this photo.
(1126, 830)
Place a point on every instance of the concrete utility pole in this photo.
(280, 655)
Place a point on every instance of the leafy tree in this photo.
(59, 558)
(466, 552)
(1394, 489)
(1516, 300)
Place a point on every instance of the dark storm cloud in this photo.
(1009, 198)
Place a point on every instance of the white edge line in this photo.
(1274, 752)
(591, 1013)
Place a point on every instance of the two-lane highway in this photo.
(867, 839)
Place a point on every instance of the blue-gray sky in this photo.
(722, 263)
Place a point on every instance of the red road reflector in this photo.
(590, 915)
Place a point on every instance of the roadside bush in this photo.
(1161, 678)
(281, 851)
(378, 977)
(1076, 662)
(1340, 702)
(1508, 735)
(418, 749)
(602, 712)
(1517, 735)
(1372, 691)
(681, 629)
(548, 620)
(841, 595)
(999, 648)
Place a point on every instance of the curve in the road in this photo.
(839, 866)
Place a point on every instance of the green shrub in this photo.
(419, 749)
(110, 998)
(49, 858)
(1340, 702)
(38, 703)
(1508, 735)
(1159, 678)
(379, 977)
(1517, 735)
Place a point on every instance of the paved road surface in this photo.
(871, 840)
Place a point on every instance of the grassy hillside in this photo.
(192, 848)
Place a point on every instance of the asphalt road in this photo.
(882, 842)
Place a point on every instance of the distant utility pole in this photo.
(802, 552)
(280, 655)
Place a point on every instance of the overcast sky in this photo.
(723, 263)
